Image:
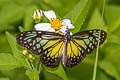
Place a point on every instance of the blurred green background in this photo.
(15, 13)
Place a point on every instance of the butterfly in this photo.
(53, 47)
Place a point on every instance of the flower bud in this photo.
(24, 52)
(37, 15)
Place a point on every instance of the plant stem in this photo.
(96, 58)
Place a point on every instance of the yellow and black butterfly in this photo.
(53, 47)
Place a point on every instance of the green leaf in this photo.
(112, 16)
(82, 71)
(114, 37)
(109, 68)
(15, 74)
(4, 79)
(21, 29)
(22, 2)
(11, 13)
(54, 3)
(8, 62)
(101, 75)
(110, 63)
(12, 42)
(32, 74)
(16, 53)
(59, 72)
(6, 27)
(78, 14)
(4, 2)
(28, 20)
(96, 21)
(4, 43)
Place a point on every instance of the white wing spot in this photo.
(25, 42)
(95, 43)
(90, 31)
(88, 50)
(21, 34)
(39, 32)
(48, 58)
(44, 57)
(92, 47)
(20, 37)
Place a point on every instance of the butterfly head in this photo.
(67, 36)
(67, 32)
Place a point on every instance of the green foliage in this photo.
(32, 74)
(78, 14)
(16, 16)
(59, 72)
(4, 78)
(28, 21)
(11, 13)
(8, 62)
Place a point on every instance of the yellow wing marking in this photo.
(50, 43)
(81, 43)
(57, 50)
(69, 51)
(72, 49)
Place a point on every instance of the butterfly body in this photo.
(53, 47)
(67, 38)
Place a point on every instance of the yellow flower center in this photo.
(56, 24)
(37, 18)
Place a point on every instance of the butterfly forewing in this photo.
(36, 41)
(89, 39)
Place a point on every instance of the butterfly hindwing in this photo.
(51, 56)
(75, 54)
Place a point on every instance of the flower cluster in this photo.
(28, 55)
(54, 25)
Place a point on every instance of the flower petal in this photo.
(51, 30)
(66, 22)
(41, 13)
(50, 14)
(34, 14)
(71, 33)
(70, 26)
(44, 27)
(38, 13)
(63, 29)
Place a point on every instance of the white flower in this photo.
(37, 15)
(55, 23)
(44, 27)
